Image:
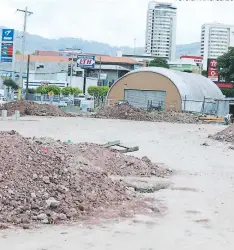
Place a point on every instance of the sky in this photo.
(117, 22)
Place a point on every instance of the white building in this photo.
(215, 40)
(161, 30)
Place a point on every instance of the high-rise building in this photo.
(216, 38)
(161, 30)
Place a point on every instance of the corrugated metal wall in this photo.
(141, 98)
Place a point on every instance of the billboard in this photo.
(6, 52)
(86, 62)
(212, 70)
(7, 45)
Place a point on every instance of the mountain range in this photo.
(35, 42)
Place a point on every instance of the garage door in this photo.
(140, 98)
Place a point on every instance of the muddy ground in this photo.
(199, 201)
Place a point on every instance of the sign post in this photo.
(85, 62)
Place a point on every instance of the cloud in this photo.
(116, 22)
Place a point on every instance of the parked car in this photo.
(2, 100)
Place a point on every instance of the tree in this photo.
(228, 92)
(46, 89)
(18, 52)
(100, 91)
(159, 62)
(71, 91)
(204, 73)
(226, 65)
(10, 84)
(41, 90)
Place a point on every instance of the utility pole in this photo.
(134, 50)
(26, 14)
(100, 70)
(28, 63)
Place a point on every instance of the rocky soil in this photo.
(225, 135)
(33, 109)
(128, 112)
(109, 160)
(50, 182)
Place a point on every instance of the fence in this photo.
(208, 106)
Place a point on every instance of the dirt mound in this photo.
(124, 112)
(33, 108)
(128, 112)
(116, 163)
(109, 160)
(50, 184)
(225, 135)
(175, 117)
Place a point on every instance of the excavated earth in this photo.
(128, 112)
(33, 109)
(46, 181)
(225, 135)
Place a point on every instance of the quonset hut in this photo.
(173, 90)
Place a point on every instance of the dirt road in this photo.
(200, 201)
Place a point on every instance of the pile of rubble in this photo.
(109, 160)
(225, 135)
(123, 112)
(50, 183)
(116, 163)
(175, 117)
(33, 109)
(128, 112)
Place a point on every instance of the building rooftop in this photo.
(34, 58)
(104, 59)
(117, 60)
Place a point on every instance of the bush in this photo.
(98, 90)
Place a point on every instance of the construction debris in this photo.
(33, 109)
(124, 112)
(128, 112)
(50, 182)
(120, 145)
(225, 135)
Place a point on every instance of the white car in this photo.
(2, 100)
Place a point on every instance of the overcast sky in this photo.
(116, 22)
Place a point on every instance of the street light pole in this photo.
(26, 14)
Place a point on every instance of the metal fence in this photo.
(208, 106)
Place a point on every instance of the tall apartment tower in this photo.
(161, 30)
(216, 38)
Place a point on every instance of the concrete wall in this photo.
(147, 81)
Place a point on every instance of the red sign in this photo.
(225, 85)
(212, 70)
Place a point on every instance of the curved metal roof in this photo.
(193, 86)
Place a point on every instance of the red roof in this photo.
(192, 57)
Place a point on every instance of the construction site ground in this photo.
(199, 200)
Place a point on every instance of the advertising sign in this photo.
(7, 45)
(7, 35)
(86, 62)
(212, 70)
(6, 52)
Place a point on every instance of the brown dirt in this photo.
(51, 184)
(128, 112)
(225, 135)
(110, 160)
(33, 109)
